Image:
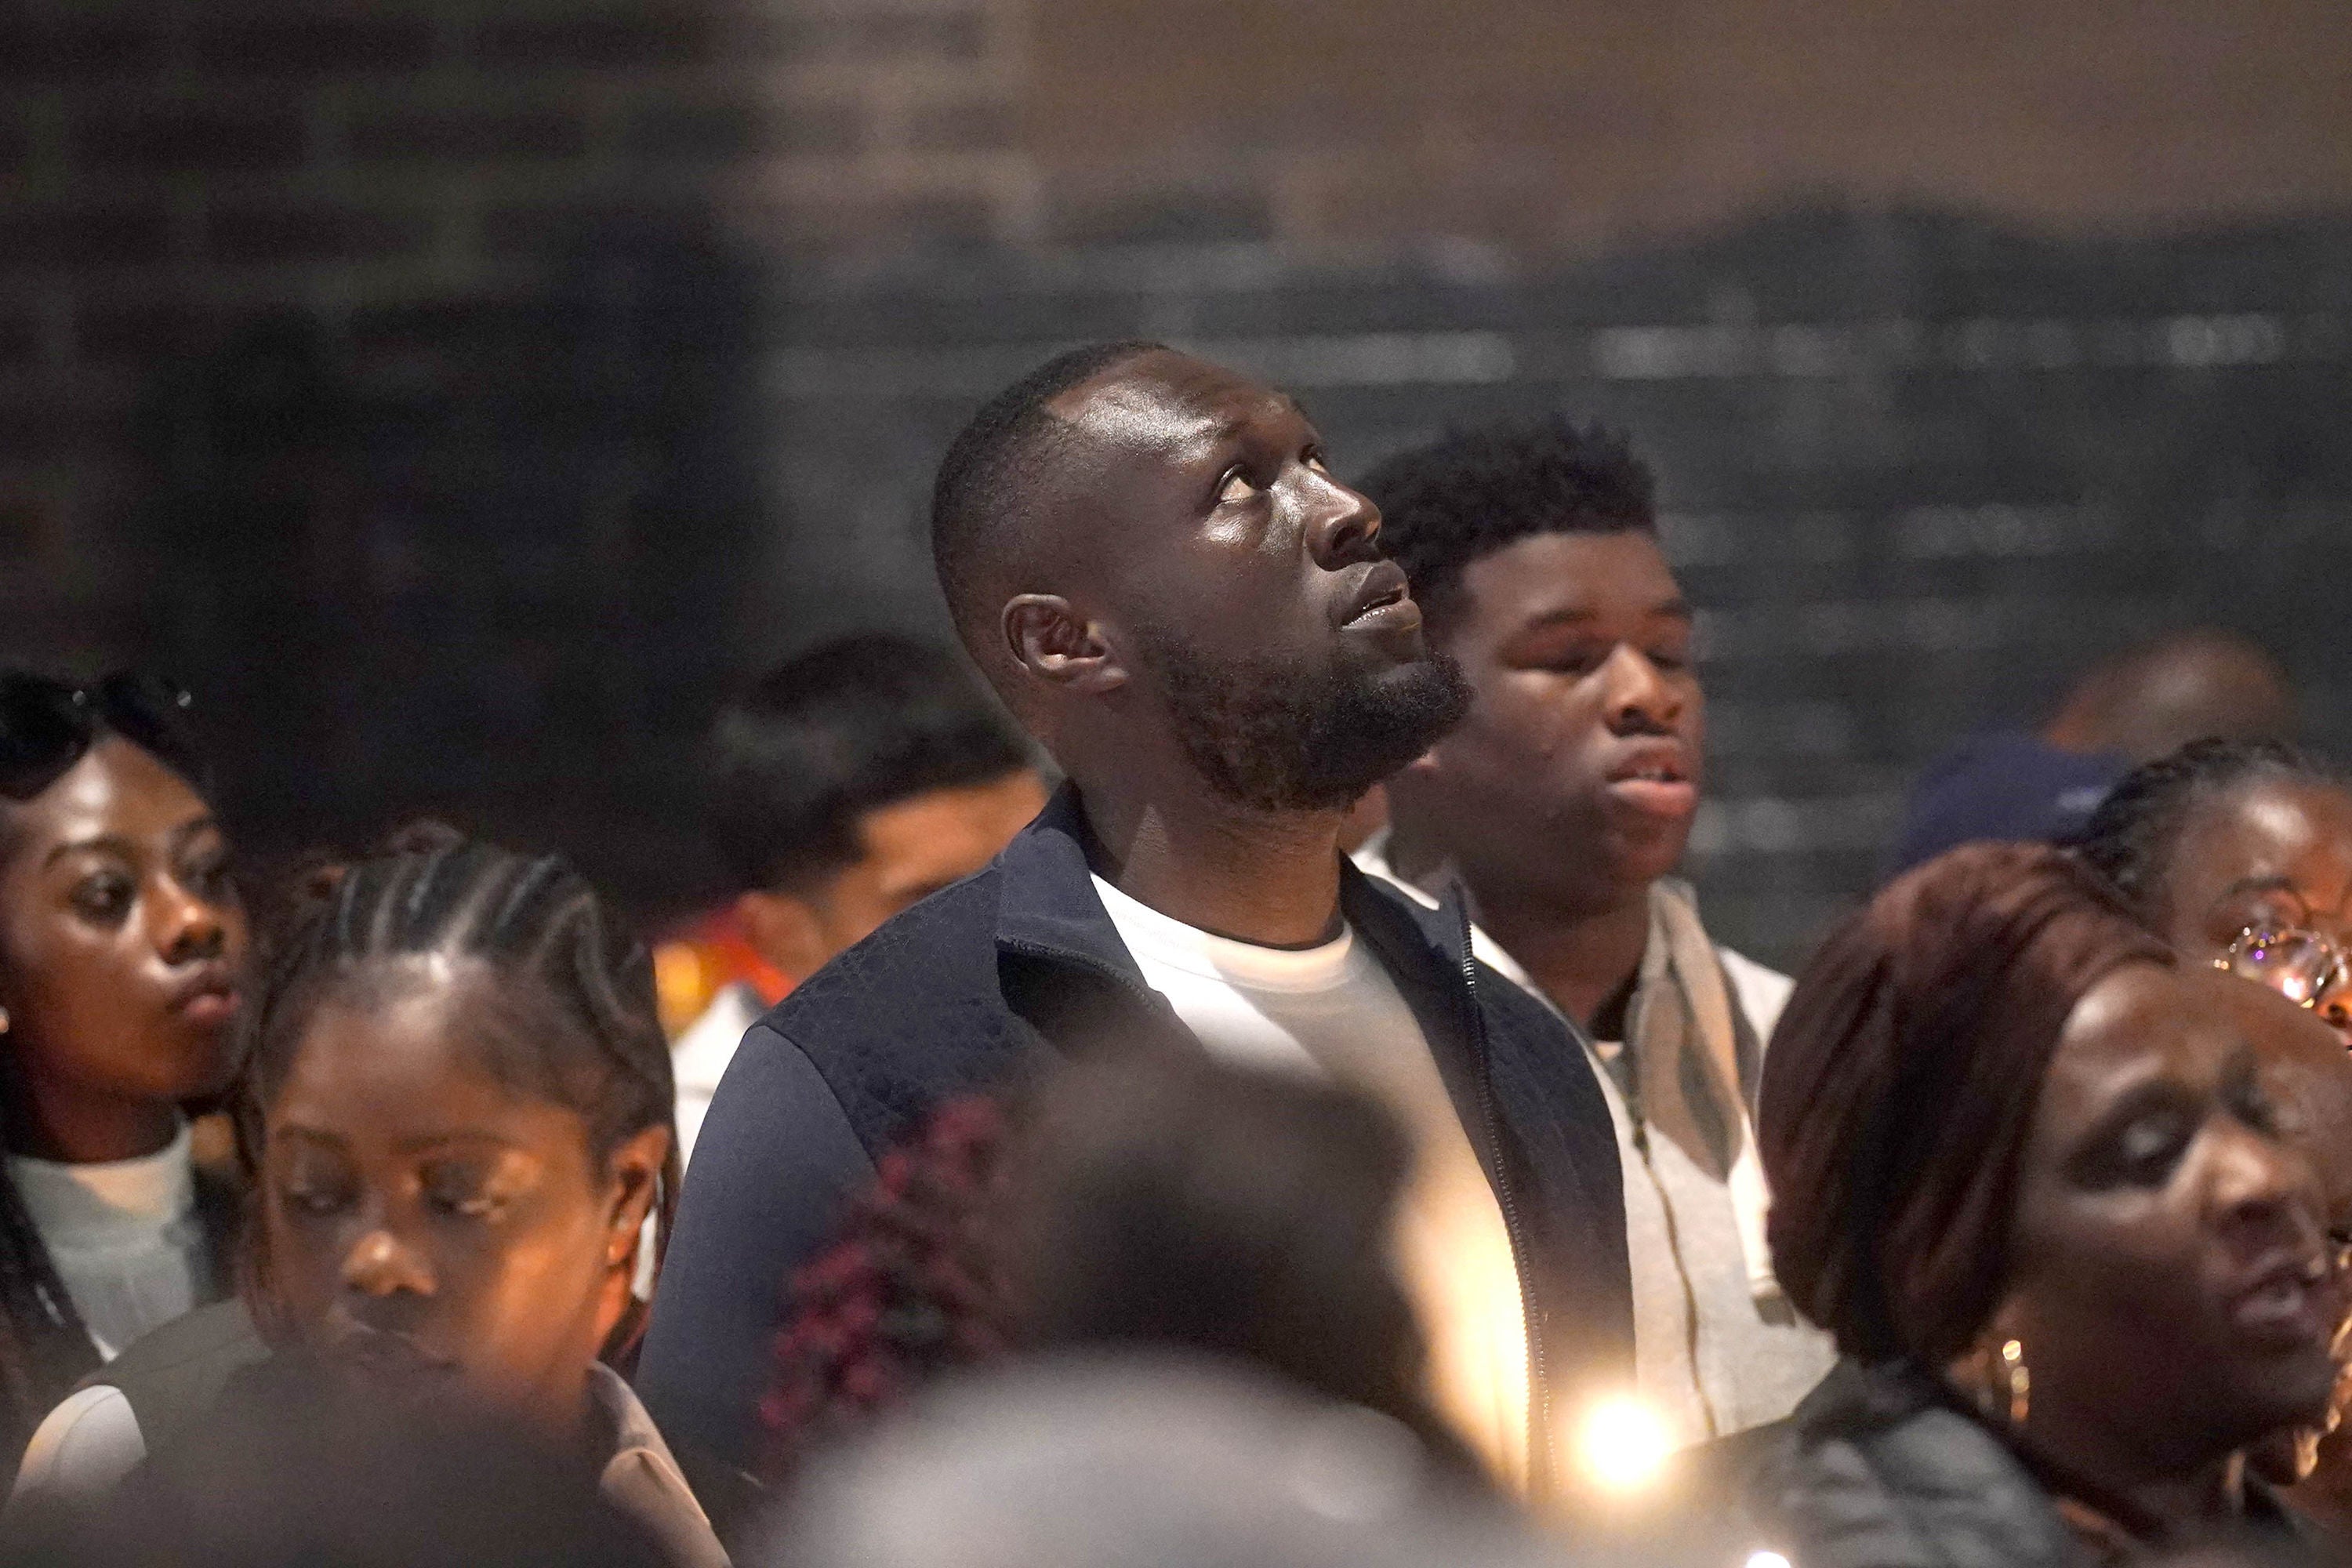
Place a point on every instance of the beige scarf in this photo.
(1691, 1080)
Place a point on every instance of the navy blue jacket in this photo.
(966, 988)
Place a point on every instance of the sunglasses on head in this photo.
(47, 726)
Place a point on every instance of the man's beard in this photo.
(1267, 736)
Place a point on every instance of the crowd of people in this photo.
(1239, 1081)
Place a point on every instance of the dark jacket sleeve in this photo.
(773, 1168)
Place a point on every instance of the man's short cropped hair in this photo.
(846, 729)
(1473, 492)
(988, 475)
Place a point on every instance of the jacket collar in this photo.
(1047, 904)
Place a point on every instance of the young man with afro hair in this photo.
(1561, 807)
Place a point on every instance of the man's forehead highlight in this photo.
(1163, 408)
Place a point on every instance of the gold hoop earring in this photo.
(2018, 1379)
(2006, 1392)
(1994, 1377)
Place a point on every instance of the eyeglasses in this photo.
(47, 726)
(2301, 966)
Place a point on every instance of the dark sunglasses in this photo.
(47, 726)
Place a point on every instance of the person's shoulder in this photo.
(931, 951)
(80, 1452)
(221, 1335)
(914, 1011)
(1762, 991)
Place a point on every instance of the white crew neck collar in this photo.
(109, 1201)
(1153, 937)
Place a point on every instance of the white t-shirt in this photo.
(698, 1058)
(124, 1237)
(1333, 1012)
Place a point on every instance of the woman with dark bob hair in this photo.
(2025, 1171)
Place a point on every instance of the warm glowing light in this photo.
(1625, 1445)
(1767, 1560)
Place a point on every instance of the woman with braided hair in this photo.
(460, 1098)
(120, 940)
(2240, 852)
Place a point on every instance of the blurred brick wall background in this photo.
(1347, 125)
(461, 393)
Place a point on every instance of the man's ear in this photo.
(1058, 646)
(787, 932)
(636, 1172)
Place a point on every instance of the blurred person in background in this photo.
(849, 782)
(1562, 805)
(297, 1472)
(459, 1098)
(1152, 562)
(2127, 711)
(2028, 1172)
(1175, 1203)
(121, 940)
(2239, 853)
(1139, 1461)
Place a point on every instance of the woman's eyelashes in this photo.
(206, 873)
(466, 1188)
(104, 897)
(318, 1187)
(465, 1191)
(2266, 914)
(2146, 1147)
(2141, 1143)
(2145, 1141)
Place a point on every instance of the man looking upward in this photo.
(1148, 557)
(1562, 806)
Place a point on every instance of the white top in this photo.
(82, 1450)
(1333, 1012)
(1694, 1242)
(699, 1058)
(124, 1237)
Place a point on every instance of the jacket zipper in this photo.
(1539, 1466)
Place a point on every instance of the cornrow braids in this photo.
(556, 952)
(2131, 837)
